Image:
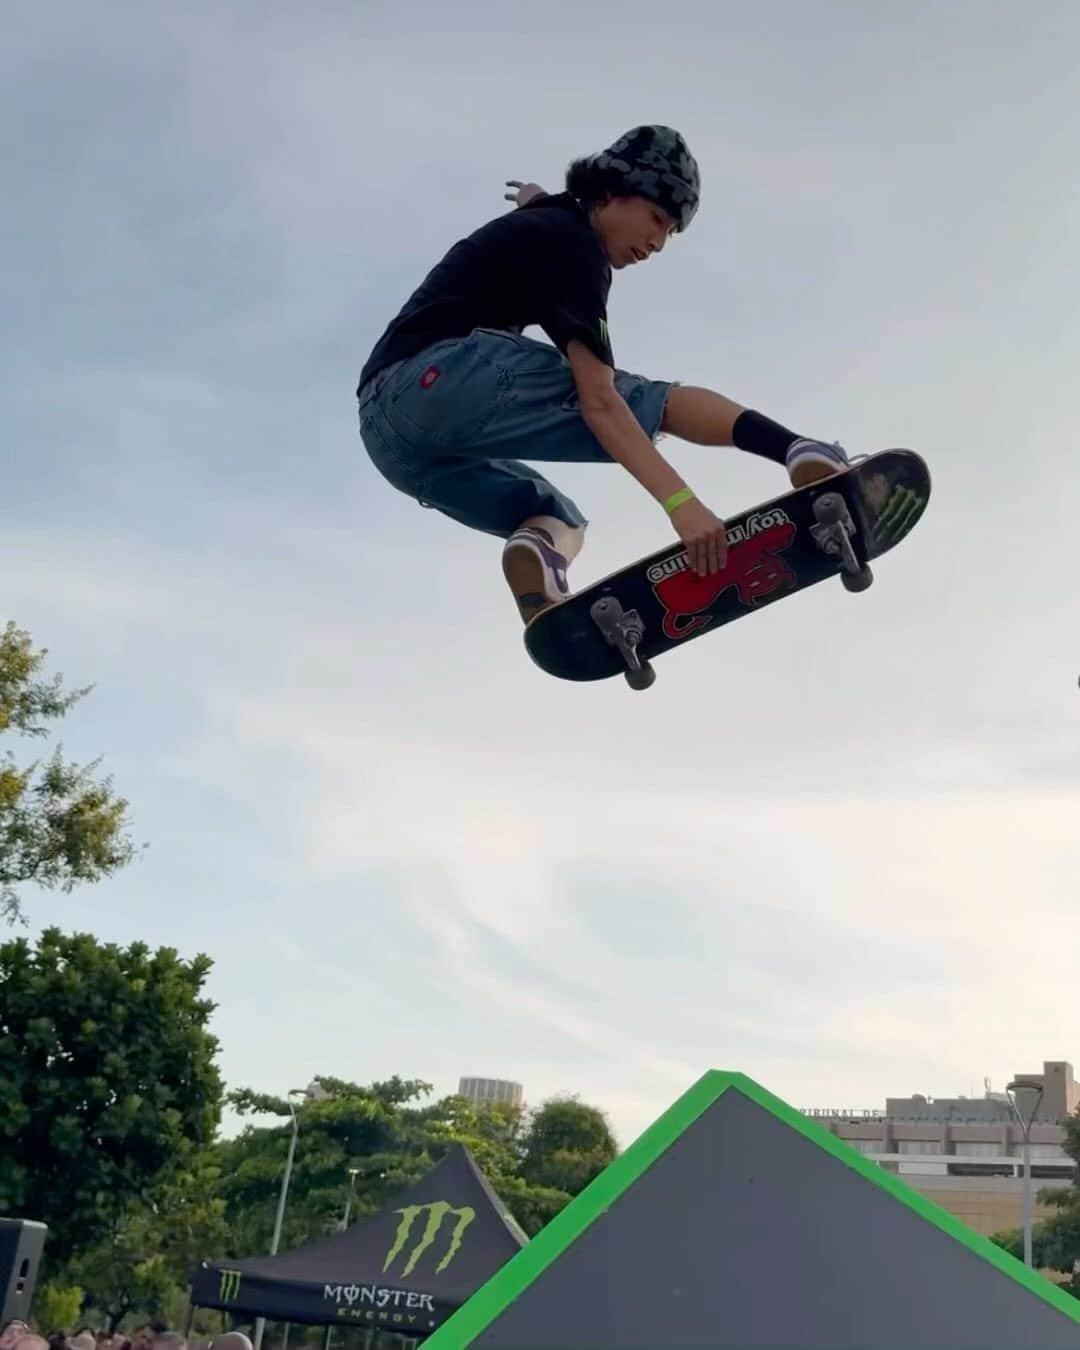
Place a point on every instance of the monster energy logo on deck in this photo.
(897, 517)
(228, 1285)
(436, 1213)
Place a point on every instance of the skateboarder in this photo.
(453, 397)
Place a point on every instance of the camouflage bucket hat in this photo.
(655, 162)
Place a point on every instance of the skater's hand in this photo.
(525, 191)
(703, 534)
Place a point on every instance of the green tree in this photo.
(59, 826)
(491, 1132)
(566, 1145)
(391, 1139)
(56, 1305)
(221, 1202)
(107, 1080)
(341, 1125)
(146, 1257)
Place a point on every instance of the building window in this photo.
(864, 1145)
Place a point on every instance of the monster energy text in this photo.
(378, 1296)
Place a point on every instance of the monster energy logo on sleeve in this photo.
(228, 1285)
(605, 337)
(436, 1212)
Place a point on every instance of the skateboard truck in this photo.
(623, 629)
(832, 534)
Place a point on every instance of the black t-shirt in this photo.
(540, 264)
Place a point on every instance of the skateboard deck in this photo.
(835, 527)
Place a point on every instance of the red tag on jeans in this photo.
(429, 377)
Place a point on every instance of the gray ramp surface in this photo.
(753, 1228)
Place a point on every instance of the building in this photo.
(491, 1092)
(966, 1153)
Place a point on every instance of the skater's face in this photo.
(631, 229)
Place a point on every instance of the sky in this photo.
(834, 847)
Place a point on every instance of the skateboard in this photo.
(834, 527)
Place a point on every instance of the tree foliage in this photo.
(107, 1080)
(388, 1140)
(59, 825)
(566, 1145)
(218, 1201)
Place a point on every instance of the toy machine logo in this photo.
(229, 1285)
(405, 1307)
(754, 567)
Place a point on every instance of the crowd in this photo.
(18, 1335)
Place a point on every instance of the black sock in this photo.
(760, 436)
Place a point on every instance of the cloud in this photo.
(817, 849)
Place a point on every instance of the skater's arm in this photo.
(607, 416)
(616, 428)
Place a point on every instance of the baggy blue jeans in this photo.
(451, 426)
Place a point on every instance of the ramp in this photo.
(736, 1221)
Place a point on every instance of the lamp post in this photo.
(1025, 1099)
(260, 1322)
(352, 1192)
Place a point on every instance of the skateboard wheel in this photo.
(641, 678)
(857, 581)
(829, 509)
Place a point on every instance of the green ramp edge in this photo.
(521, 1270)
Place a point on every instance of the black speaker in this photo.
(21, 1244)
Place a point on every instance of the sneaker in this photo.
(535, 570)
(809, 461)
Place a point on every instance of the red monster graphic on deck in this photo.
(754, 567)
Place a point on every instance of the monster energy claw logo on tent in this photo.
(228, 1285)
(437, 1211)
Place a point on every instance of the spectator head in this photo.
(168, 1340)
(230, 1340)
(12, 1332)
(28, 1341)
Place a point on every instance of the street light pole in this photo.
(1025, 1098)
(352, 1191)
(260, 1322)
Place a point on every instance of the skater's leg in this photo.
(700, 416)
(535, 561)
(707, 418)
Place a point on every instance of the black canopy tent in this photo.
(405, 1269)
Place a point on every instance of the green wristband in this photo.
(677, 499)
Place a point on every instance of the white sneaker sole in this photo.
(807, 471)
(526, 575)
